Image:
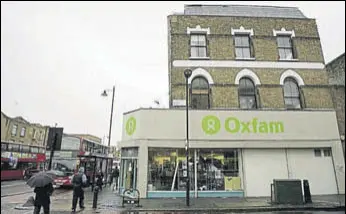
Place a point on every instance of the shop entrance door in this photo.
(129, 176)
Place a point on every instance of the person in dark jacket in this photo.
(42, 198)
(78, 181)
(99, 181)
(115, 175)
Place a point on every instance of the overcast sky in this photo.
(57, 57)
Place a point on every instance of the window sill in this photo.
(245, 59)
(293, 109)
(289, 60)
(199, 57)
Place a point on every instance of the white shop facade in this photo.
(232, 153)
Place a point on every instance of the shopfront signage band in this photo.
(212, 125)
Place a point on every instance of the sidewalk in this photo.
(111, 202)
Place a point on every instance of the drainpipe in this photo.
(336, 180)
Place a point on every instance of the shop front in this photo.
(232, 153)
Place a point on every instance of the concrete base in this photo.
(28, 205)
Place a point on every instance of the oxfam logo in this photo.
(211, 125)
(131, 126)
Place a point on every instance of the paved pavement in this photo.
(110, 202)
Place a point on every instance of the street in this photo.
(14, 187)
(14, 193)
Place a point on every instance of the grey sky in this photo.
(57, 57)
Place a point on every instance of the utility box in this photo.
(287, 191)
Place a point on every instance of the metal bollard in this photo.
(96, 192)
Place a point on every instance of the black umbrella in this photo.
(40, 179)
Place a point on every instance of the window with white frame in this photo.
(291, 94)
(247, 94)
(22, 132)
(198, 45)
(14, 130)
(285, 46)
(242, 45)
(200, 98)
(34, 133)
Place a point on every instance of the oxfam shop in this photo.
(232, 153)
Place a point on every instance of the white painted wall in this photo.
(261, 166)
(319, 171)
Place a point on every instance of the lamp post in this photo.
(187, 74)
(110, 125)
(111, 119)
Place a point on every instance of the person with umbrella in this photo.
(43, 184)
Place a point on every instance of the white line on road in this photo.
(12, 185)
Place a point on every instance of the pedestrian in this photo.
(42, 198)
(99, 181)
(78, 181)
(116, 176)
(110, 180)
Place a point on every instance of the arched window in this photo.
(247, 94)
(291, 94)
(200, 93)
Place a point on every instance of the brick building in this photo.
(260, 105)
(19, 130)
(336, 74)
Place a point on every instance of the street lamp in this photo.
(187, 74)
(104, 94)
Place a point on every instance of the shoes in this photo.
(82, 208)
(73, 211)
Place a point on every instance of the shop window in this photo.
(129, 152)
(25, 148)
(166, 169)
(217, 170)
(318, 152)
(200, 93)
(34, 150)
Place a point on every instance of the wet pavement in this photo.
(14, 187)
(110, 202)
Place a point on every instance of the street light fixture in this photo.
(187, 74)
(105, 94)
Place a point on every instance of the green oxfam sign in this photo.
(131, 126)
(211, 125)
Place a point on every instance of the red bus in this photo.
(15, 158)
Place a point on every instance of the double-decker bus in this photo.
(16, 157)
(75, 152)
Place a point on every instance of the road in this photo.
(14, 187)
(14, 193)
